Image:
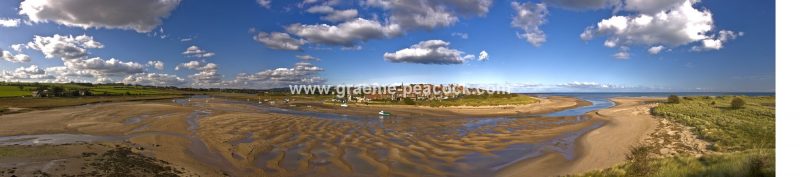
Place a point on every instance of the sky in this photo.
(532, 46)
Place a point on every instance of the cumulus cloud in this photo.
(716, 42)
(333, 15)
(206, 74)
(652, 7)
(65, 47)
(659, 25)
(7, 22)
(159, 65)
(344, 34)
(300, 73)
(279, 41)
(429, 14)
(429, 52)
(483, 56)
(18, 58)
(403, 15)
(101, 67)
(307, 58)
(529, 17)
(18, 47)
(139, 15)
(154, 79)
(194, 51)
(655, 49)
(25, 73)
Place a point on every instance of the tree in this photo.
(674, 99)
(737, 103)
(58, 91)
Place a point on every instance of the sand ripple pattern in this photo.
(294, 145)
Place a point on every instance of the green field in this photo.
(744, 139)
(14, 91)
(43, 103)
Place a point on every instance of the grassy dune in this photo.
(744, 139)
(729, 129)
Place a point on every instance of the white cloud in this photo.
(18, 47)
(101, 67)
(653, 6)
(300, 73)
(307, 58)
(461, 35)
(483, 56)
(159, 65)
(428, 52)
(588, 85)
(206, 74)
(279, 41)
(658, 25)
(345, 34)
(333, 15)
(64, 47)
(32, 72)
(655, 49)
(623, 53)
(429, 14)
(154, 79)
(529, 18)
(194, 51)
(716, 42)
(264, 3)
(7, 22)
(140, 15)
(18, 58)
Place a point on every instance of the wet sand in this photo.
(627, 124)
(216, 137)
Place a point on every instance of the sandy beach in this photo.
(626, 124)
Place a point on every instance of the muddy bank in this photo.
(546, 105)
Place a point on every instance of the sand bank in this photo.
(626, 124)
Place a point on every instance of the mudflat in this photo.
(216, 137)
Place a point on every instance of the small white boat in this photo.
(343, 105)
(384, 113)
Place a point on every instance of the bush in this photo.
(737, 103)
(408, 101)
(641, 162)
(674, 99)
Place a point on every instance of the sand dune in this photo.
(626, 124)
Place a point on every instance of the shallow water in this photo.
(55, 139)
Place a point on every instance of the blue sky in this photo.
(733, 52)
